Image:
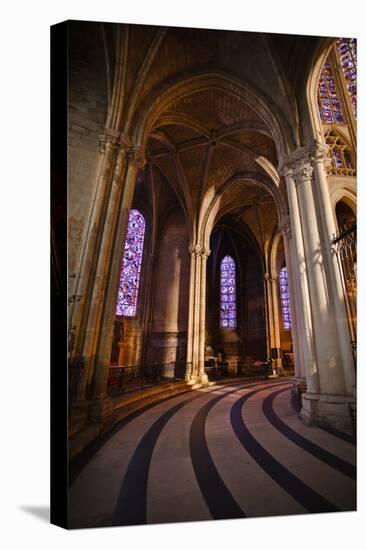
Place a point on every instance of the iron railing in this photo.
(344, 244)
(216, 372)
(129, 379)
(244, 370)
(254, 372)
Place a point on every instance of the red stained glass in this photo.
(228, 293)
(131, 265)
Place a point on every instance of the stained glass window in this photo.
(228, 293)
(131, 265)
(285, 299)
(347, 51)
(328, 102)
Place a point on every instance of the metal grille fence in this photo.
(344, 245)
(129, 379)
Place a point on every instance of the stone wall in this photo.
(168, 330)
(87, 108)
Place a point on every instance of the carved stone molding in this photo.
(285, 227)
(108, 139)
(136, 156)
(303, 170)
(198, 250)
(322, 155)
(287, 170)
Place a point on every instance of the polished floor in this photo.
(227, 451)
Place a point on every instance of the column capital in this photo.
(287, 169)
(108, 140)
(321, 155)
(136, 156)
(298, 164)
(303, 170)
(284, 226)
(320, 151)
(198, 250)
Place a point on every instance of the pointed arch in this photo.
(171, 91)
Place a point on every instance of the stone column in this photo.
(329, 403)
(202, 326)
(299, 272)
(297, 316)
(104, 329)
(273, 339)
(327, 229)
(276, 319)
(269, 313)
(197, 313)
(104, 255)
(110, 169)
(326, 341)
(190, 332)
(109, 144)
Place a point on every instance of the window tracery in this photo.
(131, 265)
(342, 161)
(228, 293)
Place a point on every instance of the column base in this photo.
(328, 411)
(202, 378)
(276, 366)
(188, 372)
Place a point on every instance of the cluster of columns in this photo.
(321, 338)
(91, 316)
(197, 314)
(323, 354)
(273, 316)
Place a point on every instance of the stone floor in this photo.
(228, 451)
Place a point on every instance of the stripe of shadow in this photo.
(341, 435)
(132, 500)
(302, 493)
(218, 498)
(131, 503)
(330, 459)
(78, 463)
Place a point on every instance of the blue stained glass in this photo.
(328, 102)
(228, 293)
(285, 299)
(347, 50)
(131, 265)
